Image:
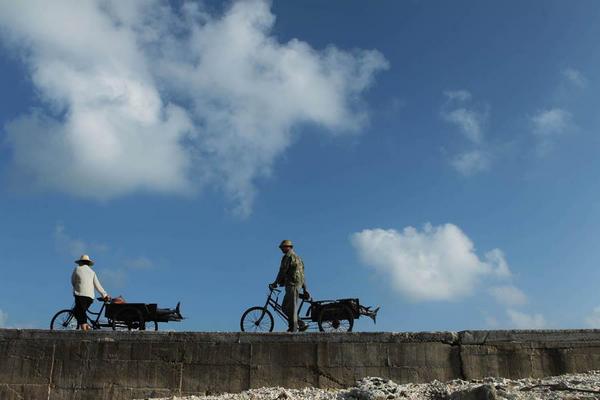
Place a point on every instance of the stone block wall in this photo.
(37, 364)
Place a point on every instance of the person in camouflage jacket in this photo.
(291, 275)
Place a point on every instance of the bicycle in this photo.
(128, 317)
(329, 315)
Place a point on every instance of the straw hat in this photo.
(84, 259)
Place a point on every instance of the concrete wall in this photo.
(122, 365)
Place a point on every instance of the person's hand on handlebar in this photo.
(305, 295)
(106, 298)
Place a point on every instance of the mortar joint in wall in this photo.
(12, 390)
(51, 370)
(180, 377)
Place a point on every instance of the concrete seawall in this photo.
(36, 364)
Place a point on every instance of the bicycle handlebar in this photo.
(302, 295)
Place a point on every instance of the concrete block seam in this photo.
(51, 370)
(11, 390)
(180, 378)
(320, 373)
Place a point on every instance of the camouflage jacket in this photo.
(291, 270)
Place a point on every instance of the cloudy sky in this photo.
(440, 160)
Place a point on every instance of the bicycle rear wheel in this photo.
(257, 319)
(64, 320)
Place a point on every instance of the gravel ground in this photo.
(573, 386)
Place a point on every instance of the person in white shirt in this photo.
(85, 281)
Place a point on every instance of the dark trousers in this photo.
(290, 307)
(82, 303)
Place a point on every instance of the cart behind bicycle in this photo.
(120, 316)
(326, 315)
(140, 316)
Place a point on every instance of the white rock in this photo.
(571, 386)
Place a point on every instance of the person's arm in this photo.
(306, 293)
(73, 280)
(280, 280)
(99, 287)
(301, 266)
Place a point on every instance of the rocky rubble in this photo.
(573, 386)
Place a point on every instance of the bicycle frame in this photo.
(96, 324)
(278, 308)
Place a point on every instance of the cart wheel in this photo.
(257, 319)
(128, 318)
(64, 320)
(343, 321)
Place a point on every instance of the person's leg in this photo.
(286, 306)
(79, 312)
(295, 304)
(87, 303)
(290, 307)
(82, 303)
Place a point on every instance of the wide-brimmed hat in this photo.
(84, 259)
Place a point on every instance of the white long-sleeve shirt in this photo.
(84, 280)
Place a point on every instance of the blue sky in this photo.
(438, 159)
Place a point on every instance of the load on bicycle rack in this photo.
(119, 316)
(328, 315)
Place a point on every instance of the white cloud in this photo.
(112, 279)
(20, 325)
(117, 276)
(491, 322)
(139, 263)
(3, 319)
(508, 295)
(75, 247)
(593, 320)
(575, 77)
(526, 321)
(140, 97)
(550, 124)
(468, 120)
(471, 162)
(460, 95)
(436, 263)
(496, 259)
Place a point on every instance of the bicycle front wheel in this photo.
(257, 319)
(64, 320)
